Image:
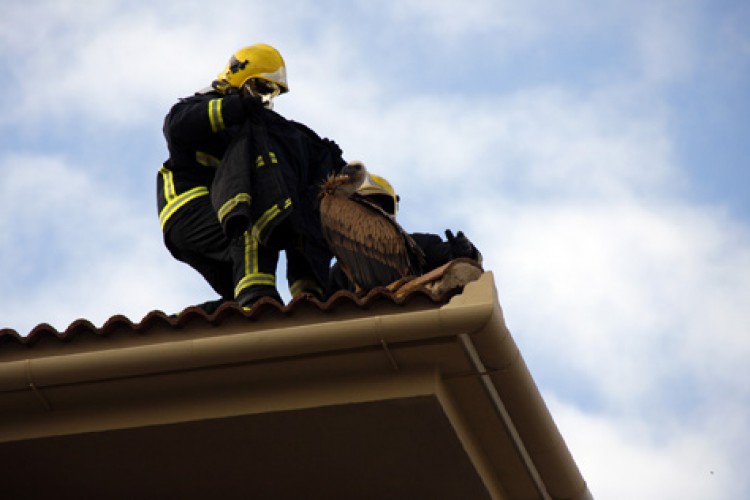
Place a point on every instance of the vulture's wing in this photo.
(365, 241)
(415, 254)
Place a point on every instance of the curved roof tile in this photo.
(190, 314)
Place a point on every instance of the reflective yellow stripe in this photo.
(268, 216)
(251, 258)
(252, 276)
(215, 116)
(168, 178)
(206, 159)
(230, 205)
(254, 280)
(297, 288)
(304, 285)
(259, 162)
(176, 202)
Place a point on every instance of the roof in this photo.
(412, 290)
(417, 395)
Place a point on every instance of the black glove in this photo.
(460, 245)
(251, 104)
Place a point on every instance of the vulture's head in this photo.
(347, 181)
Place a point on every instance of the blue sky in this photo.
(596, 152)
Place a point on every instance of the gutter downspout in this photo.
(489, 388)
(508, 381)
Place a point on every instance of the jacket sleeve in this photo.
(437, 252)
(193, 119)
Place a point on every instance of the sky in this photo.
(597, 153)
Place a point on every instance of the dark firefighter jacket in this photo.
(198, 130)
(274, 171)
(259, 170)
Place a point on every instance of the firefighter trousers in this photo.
(241, 268)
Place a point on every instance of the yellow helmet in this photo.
(255, 61)
(381, 192)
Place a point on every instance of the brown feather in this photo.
(370, 245)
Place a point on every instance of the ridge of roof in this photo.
(227, 310)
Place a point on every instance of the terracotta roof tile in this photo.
(191, 314)
(427, 287)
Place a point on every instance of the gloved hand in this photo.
(251, 104)
(460, 245)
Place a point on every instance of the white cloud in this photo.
(666, 50)
(453, 18)
(516, 24)
(625, 459)
(619, 287)
(77, 247)
(121, 63)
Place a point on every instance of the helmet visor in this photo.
(384, 201)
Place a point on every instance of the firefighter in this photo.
(241, 182)
(437, 251)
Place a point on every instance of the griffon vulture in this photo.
(370, 246)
